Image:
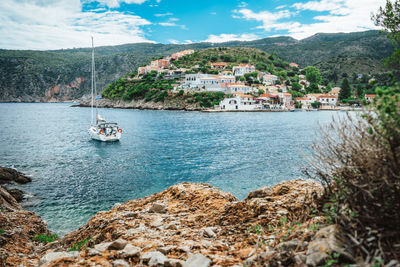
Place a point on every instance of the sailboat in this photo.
(100, 129)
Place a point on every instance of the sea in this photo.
(74, 177)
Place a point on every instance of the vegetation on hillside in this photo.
(31, 73)
(157, 87)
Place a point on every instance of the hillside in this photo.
(64, 74)
(156, 87)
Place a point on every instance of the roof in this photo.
(219, 64)
(245, 95)
(370, 95)
(302, 98)
(326, 96)
(268, 95)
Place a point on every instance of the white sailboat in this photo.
(100, 129)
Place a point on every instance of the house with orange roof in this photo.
(293, 65)
(239, 102)
(242, 69)
(219, 65)
(305, 102)
(370, 97)
(327, 101)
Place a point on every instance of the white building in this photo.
(242, 69)
(208, 82)
(269, 79)
(239, 102)
(239, 87)
(327, 100)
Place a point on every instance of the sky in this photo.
(56, 24)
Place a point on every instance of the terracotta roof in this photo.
(326, 96)
(302, 98)
(370, 95)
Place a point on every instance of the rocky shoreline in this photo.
(185, 225)
(175, 104)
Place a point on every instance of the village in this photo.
(245, 87)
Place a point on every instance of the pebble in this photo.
(120, 263)
(197, 260)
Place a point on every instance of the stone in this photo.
(153, 258)
(327, 241)
(130, 251)
(120, 263)
(292, 245)
(157, 222)
(17, 194)
(197, 260)
(102, 246)
(158, 208)
(8, 175)
(93, 252)
(173, 263)
(52, 256)
(260, 193)
(7, 202)
(208, 232)
(166, 250)
(117, 244)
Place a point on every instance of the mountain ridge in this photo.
(64, 74)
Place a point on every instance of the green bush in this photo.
(77, 246)
(45, 238)
(358, 161)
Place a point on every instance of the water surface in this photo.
(75, 177)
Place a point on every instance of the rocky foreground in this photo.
(186, 225)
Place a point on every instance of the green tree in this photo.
(388, 17)
(313, 75)
(345, 91)
(296, 87)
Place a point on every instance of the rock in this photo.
(102, 246)
(197, 260)
(120, 263)
(166, 250)
(173, 263)
(208, 232)
(93, 252)
(327, 241)
(260, 193)
(52, 256)
(130, 251)
(7, 202)
(292, 245)
(117, 244)
(153, 258)
(157, 222)
(17, 194)
(8, 175)
(158, 208)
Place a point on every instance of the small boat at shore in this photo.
(101, 130)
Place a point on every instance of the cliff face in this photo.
(195, 225)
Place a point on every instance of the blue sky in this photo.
(54, 24)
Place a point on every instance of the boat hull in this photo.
(95, 135)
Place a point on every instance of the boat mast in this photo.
(92, 85)
(94, 77)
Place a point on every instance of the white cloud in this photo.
(163, 14)
(53, 25)
(168, 24)
(269, 20)
(116, 3)
(172, 41)
(343, 16)
(242, 4)
(172, 23)
(224, 37)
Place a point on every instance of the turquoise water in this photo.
(74, 177)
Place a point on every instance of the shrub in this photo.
(45, 238)
(77, 246)
(358, 161)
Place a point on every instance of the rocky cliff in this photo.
(189, 225)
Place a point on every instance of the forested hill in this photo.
(64, 74)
